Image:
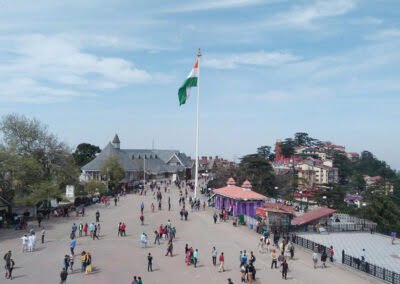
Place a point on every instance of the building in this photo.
(275, 216)
(136, 162)
(317, 172)
(238, 200)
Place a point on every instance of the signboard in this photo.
(69, 192)
(174, 177)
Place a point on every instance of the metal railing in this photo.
(354, 262)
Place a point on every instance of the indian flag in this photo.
(191, 81)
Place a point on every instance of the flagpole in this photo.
(196, 175)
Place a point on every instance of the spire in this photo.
(230, 182)
(116, 143)
(246, 185)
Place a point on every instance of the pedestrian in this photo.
(243, 272)
(215, 217)
(393, 237)
(142, 208)
(149, 263)
(143, 239)
(230, 281)
(72, 246)
(30, 242)
(285, 268)
(196, 257)
(332, 253)
(85, 229)
(324, 256)
(74, 228)
(221, 262)
(315, 259)
(123, 230)
(9, 267)
(214, 256)
(134, 281)
(71, 263)
(80, 229)
(157, 237)
(88, 263)
(142, 219)
(24, 243)
(274, 259)
(363, 255)
(83, 261)
(98, 229)
(250, 273)
(97, 216)
(63, 276)
(140, 280)
(66, 262)
(43, 234)
(39, 219)
(170, 248)
(115, 200)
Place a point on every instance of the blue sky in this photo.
(270, 68)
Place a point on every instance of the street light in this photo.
(363, 205)
(324, 198)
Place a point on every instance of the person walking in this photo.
(157, 237)
(243, 272)
(142, 219)
(98, 229)
(169, 248)
(332, 253)
(196, 257)
(66, 262)
(142, 208)
(315, 259)
(24, 243)
(85, 229)
(71, 263)
(214, 256)
(143, 239)
(9, 267)
(97, 216)
(83, 261)
(63, 276)
(324, 256)
(72, 246)
(134, 281)
(43, 234)
(274, 259)
(285, 268)
(80, 228)
(149, 263)
(221, 262)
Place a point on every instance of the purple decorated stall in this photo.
(238, 200)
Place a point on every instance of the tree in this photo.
(264, 151)
(288, 147)
(84, 153)
(259, 172)
(94, 186)
(113, 170)
(301, 139)
(34, 164)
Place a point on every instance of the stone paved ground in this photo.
(116, 259)
(378, 248)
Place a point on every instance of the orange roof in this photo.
(280, 207)
(239, 193)
(312, 216)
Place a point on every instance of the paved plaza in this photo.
(378, 248)
(117, 259)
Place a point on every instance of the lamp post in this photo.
(324, 198)
(363, 205)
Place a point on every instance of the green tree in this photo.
(34, 164)
(84, 153)
(288, 147)
(95, 187)
(259, 172)
(113, 170)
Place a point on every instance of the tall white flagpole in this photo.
(196, 175)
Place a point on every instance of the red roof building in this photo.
(312, 216)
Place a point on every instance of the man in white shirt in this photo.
(30, 243)
(33, 242)
(24, 243)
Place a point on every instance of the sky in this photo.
(90, 69)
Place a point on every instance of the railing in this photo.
(371, 269)
(364, 266)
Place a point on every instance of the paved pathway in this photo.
(378, 248)
(117, 259)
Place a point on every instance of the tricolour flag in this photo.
(191, 81)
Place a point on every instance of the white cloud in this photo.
(213, 4)
(382, 35)
(42, 66)
(260, 58)
(304, 16)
